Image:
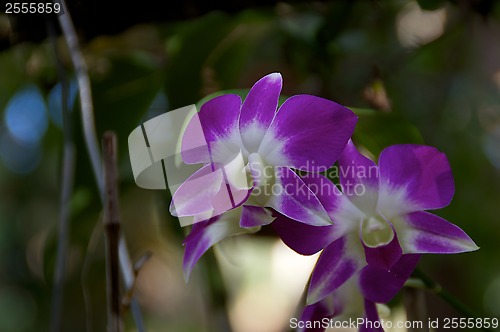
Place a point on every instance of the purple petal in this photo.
(195, 195)
(384, 257)
(218, 119)
(235, 190)
(337, 263)
(427, 233)
(308, 133)
(339, 208)
(207, 192)
(356, 168)
(306, 239)
(359, 178)
(327, 192)
(194, 147)
(197, 243)
(302, 238)
(255, 216)
(379, 285)
(315, 313)
(259, 109)
(207, 233)
(229, 198)
(420, 174)
(292, 198)
(371, 321)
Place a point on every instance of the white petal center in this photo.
(264, 178)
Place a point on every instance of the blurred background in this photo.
(417, 71)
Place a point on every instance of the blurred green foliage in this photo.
(443, 91)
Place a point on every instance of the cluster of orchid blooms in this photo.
(264, 165)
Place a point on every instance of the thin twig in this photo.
(129, 280)
(112, 231)
(90, 136)
(87, 111)
(68, 169)
(128, 299)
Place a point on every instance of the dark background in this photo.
(426, 71)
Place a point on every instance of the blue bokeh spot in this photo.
(26, 116)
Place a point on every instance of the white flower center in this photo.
(263, 177)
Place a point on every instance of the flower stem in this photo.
(429, 284)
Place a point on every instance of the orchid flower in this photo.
(376, 226)
(248, 152)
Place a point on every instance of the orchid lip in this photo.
(376, 231)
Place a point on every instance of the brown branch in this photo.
(112, 231)
(87, 115)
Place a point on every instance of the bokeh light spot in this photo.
(416, 27)
(26, 116)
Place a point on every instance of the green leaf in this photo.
(377, 130)
(123, 96)
(189, 50)
(240, 92)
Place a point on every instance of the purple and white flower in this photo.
(248, 151)
(374, 233)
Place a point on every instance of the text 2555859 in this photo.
(33, 8)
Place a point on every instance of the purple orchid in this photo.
(248, 151)
(379, 221)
